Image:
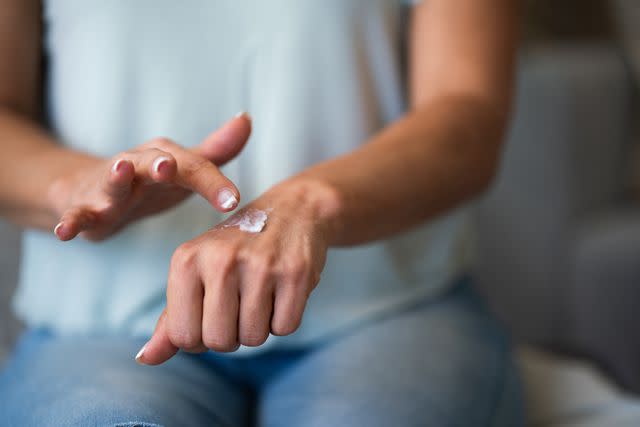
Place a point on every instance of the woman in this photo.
(357, 172)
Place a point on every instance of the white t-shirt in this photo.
(318, 77)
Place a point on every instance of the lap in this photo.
(442, 364)
(83, 381)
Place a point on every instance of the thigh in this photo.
(51, 381)
(445, 363)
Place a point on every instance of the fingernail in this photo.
(242, 114)
(227, 199)
(159, 163)
(117, 165)
(140, 353)
(56, 229)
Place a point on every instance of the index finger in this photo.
(199, 175)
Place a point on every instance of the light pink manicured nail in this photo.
(227, 199)
(117, 165)
(160, 162)
(242, 114)
(56, 229)
(140, 353)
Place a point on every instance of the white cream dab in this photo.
(251, 220)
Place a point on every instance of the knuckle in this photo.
(195, 166)
(160, 142)
(256, 258)
(157, 152)
(284, 328)
(121, 155)
(261, 264)
(227, 248)
(219, 342)
(223, 257)
(295, 270)
(253, 338)
(184, 257)
(154, 152)
(184, 338)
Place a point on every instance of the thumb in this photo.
(226, 143)
(158, 349)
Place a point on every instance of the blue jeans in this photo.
(444, 362)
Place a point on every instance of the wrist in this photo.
(65, 176)
(319, 201)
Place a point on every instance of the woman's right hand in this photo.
(103, 197)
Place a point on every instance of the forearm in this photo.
(32, 162)
(432, 160)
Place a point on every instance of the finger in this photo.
(153, 165)
(199, 175)
(73, 222)
(288, 308)
(118, 180)
(226, 143)
(159, 349)
(256, 304)
(221, 304)
(184, 299)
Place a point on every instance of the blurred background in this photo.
(558, 236)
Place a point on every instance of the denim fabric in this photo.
(440, 363)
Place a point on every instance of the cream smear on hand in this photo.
(251, 220)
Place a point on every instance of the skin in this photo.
(77, 193)
(227, 287)
(100, 198)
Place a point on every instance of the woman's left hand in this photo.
(229, 287)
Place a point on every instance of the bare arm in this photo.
(31, 158)
(43, 183)
(227, 287)
(445, 151)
